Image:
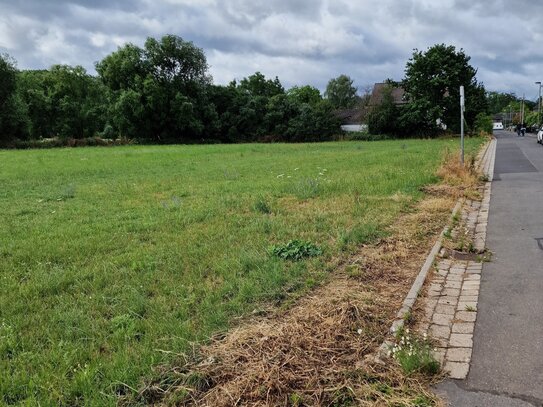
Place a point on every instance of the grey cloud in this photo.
(301, 41)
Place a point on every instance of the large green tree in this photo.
(14, 122)
(432, 84)
(341, 92)
(158, 92)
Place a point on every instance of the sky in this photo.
(300, 41)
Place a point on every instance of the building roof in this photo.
(398, 94)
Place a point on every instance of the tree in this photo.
(305, 94)
(159, 92)
(341, 93)
(432, 81)
(498, 101)
(14, 122)
(383, 118)
(258, 85)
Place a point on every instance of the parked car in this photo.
(540, 136)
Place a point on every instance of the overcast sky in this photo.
(301, 41)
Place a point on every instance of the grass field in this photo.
(113, 260)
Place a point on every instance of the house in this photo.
(354, 119)
(377, 95)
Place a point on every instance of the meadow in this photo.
(116, 260)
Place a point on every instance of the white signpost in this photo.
(462, 106)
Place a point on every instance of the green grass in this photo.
(113, 260)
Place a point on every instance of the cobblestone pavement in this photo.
(450, 308)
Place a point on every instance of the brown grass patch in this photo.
(314, 353)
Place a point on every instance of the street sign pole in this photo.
(462, 104)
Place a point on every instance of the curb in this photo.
(485, 162)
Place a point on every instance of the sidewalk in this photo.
(505, 365)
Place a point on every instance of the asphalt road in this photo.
(507, 362)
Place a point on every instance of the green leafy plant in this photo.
(295, 250)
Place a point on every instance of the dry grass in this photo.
(316, 352)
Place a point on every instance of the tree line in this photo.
(163, 92)
(159, 93)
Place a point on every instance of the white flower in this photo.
(280, 175)
(359, 331)
(296, 169)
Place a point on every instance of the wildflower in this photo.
(296, 169)
(280, 175)
(320, 173)
(359, 331)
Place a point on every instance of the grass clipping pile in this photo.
(317, 352)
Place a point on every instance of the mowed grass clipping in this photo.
(115, 260)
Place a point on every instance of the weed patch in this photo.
(295, 250)
(414, 354)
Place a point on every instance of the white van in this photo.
(497, 126)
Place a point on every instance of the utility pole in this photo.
(539, 106)
(522, 111)
(462, 104)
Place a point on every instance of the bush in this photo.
(483, 123)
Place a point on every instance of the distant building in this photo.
(354, 119)
(377, 95)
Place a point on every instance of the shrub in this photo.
(483, 123)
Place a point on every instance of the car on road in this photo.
(497, 126)
(540, 136)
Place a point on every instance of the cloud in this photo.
(300, 41)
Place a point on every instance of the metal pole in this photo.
(462, 125)
(539, 106)
(522, 111)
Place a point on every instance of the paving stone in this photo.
(461, 340)
(463, 328)
(442, 319)
(457, 370)
(465, 316)
(468, 298)
(451, 292)
(445, 309)
(453, 284)
(434, 293)
(439, 331)
(469, 293)
(439, 355)
(467, 306)
(472, 277)
(471, 285)
(473, 271)
(435, 287)
(423, 328)
(448, 300)
(459, 355)
(454, 277)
